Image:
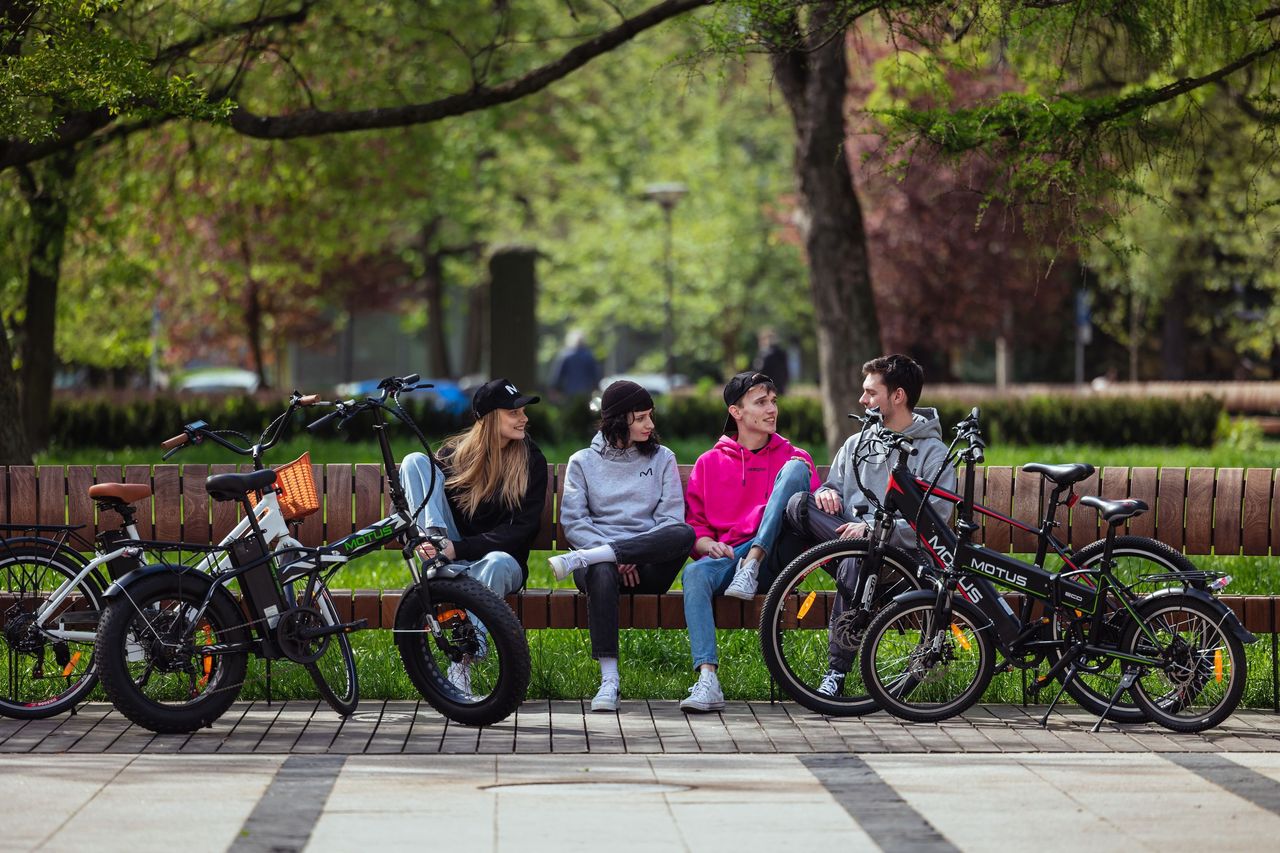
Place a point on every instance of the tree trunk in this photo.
(437, 346)
(46, 190)
(253, 327)
(1174, 335)
(14, 449)
(813, 81)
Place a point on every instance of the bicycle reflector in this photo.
(960, 637)
(808, 602)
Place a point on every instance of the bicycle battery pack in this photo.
(259, 584)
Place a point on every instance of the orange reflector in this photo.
(960, 638)
(207, 663)
(1217, 665)
(808, 602)
(71, 665)
(1079, 614)
(451, 615)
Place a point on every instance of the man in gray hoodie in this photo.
(841, 509)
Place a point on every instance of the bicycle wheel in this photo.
(801, 641)
(923, 672)
(1135, 557)
(475, 671)
(333, 669)
(1202, 670)
(47, 665)
(150, 656)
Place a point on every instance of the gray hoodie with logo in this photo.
(611, 494)
(926, 431)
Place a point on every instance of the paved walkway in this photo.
(639, 728)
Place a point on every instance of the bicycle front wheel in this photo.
(470, 659)
(811, 651)
(1134, 558)
(334, 670)
(920, 669)
(47, 662)
(1202, 668)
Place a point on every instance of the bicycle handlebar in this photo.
(175, 442)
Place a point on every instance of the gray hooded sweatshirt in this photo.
(612, 494)
(926, 431)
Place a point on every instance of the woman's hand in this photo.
(427, 551)
(629, 574)
(708, 547)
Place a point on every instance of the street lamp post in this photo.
(667, 195)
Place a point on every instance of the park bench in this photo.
(1227, 511)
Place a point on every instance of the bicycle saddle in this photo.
(232, 487)
(1063, 475)
(126, 492)
(1115, 512)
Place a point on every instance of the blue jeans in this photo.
(710, 576)
(497, 570)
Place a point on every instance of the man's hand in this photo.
(708, 547)
(852, 530)
(427, 551)
(628, 574)
(828, 500)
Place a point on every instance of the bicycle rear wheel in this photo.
(476, 671)
(921, 671)
(47, 662)
(802, 641)
(1135, 557)
(1202, 670)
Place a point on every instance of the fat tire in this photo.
(773, 618)
(505, 633)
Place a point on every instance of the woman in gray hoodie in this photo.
(623, 512)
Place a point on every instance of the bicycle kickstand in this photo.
(1126, 681)
(1070, 674)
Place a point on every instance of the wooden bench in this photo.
(1228, 511)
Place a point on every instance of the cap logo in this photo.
(511, 389)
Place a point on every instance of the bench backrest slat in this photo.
(1196, 510)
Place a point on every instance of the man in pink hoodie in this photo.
(735, 502)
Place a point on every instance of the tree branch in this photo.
(319, 122)
(177, 50)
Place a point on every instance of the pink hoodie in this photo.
(730, 485)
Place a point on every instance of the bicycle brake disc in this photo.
(848, 628)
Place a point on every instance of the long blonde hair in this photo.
(481, 466)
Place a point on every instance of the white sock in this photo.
(598, 554)
(709, 675)
(609, 670)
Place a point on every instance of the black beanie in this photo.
(624, 396)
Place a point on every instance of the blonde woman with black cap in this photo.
(488, 498)
(623, 510)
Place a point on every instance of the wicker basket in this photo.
(296, 488)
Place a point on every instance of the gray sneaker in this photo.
(743, 584)
(705, 695)
(832, 684)
(606, 698)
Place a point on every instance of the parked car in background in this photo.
(445, 394)
(656, 384)
(217, 380)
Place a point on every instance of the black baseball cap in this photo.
(736, 388)
(498, 394)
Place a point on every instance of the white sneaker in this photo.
(704, 695)
(832, 684)
(564, 565)
(743, 584)
(460, 677)
(606, 698)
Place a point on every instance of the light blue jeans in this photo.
(497, 570)
(710, 576)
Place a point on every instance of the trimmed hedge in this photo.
(1106, 421)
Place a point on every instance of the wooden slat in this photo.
(1084, 520)
(107, 474)
(1142, 485)
(1228, 492)
(142, 474)
(1256, 520)
(366, 605)
(1259, 613)
(337, 514)
(582, 620)
(671, 610)
(1115, 486)
(1199, 511)
(979, 485)
(4, 494)
(22, 494)
(390, 603)
(168, 501)
(195, 505)
(79, 505)
(368, 494)
(999, 498)
(562, 609)
(644, 611)
(1171, 526)
(728, 611)
(1027, 507)
(224, 514)
(534, 611)
(311, 531)
(51, 505)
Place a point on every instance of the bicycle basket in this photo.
(297, 489)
